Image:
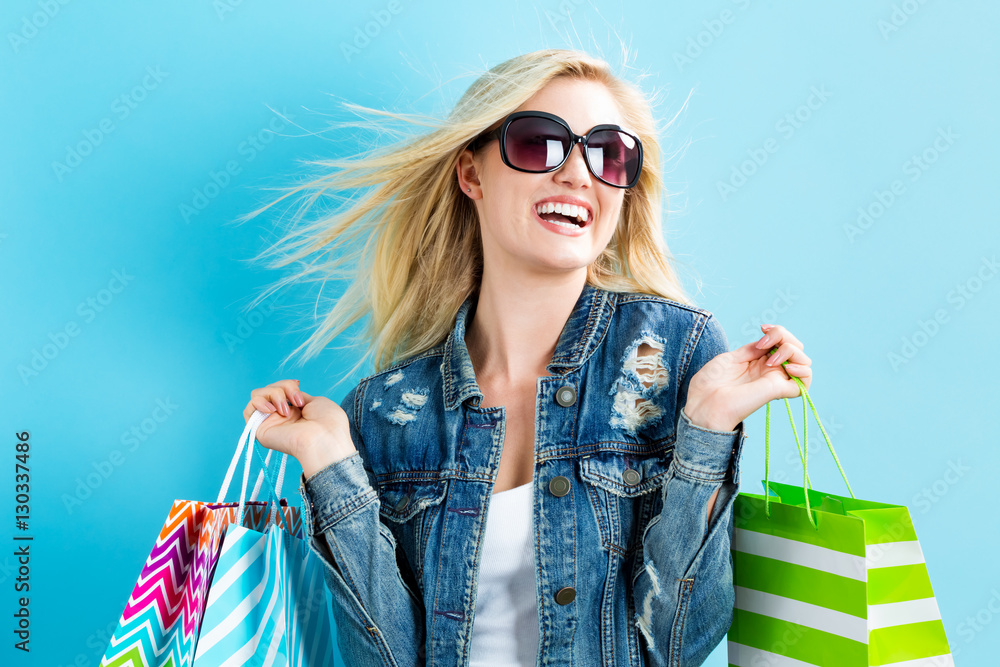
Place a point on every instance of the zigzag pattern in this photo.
(160, 623)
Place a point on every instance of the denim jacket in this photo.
(629, 569)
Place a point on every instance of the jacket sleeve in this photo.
(684, 593)
(380, 621)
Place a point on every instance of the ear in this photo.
(468, 175)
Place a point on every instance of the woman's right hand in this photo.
(313, 429)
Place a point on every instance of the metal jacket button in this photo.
(566, 396)
(559, 486)
(403, 503)
(631, 477)
(565, 595)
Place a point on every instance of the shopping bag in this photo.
(159, 625)
(825, 579)
(268, 603)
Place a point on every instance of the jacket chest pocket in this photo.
(409, 509)
(625, 493)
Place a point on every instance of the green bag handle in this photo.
(803, 449)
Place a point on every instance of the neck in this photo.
(517, 323)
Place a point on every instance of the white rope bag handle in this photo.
(247, 439)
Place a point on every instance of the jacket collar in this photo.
(583, 331)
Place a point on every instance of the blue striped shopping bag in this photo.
(268, 603)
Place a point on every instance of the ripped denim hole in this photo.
(645, 619)
(410, 403)
(643, 376)
(465, 511)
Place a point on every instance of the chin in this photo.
(563, 263)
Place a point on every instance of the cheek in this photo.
(613, 218)
(502, 209)
(496, 218)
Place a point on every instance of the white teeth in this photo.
(569, 210)
(568, 225)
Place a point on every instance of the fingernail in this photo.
(762, 343)
(267, 404)
(299, 401)
(767, 327)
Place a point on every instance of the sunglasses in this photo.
(537, 142)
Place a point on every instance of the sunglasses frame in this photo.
(501, 134)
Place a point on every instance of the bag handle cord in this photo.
(803, 449)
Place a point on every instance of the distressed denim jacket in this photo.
(629, 568)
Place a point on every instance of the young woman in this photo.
(542, 469)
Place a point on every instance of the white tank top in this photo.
(505, 627)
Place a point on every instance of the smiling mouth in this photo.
(566, 215)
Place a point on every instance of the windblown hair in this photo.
(407, 240)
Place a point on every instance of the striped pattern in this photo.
(853, 591)
(159, 625)
(743, 656)
(267, 605)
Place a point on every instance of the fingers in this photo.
(748, 353)
(282, 397)
(798, 370)
(778, 348)
(789, 348)
(803, 373)
(775, 335)
(788, 352)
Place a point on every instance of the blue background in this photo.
(162, 96)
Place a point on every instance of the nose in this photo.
(574, 171)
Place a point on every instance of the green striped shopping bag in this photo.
(822, 579)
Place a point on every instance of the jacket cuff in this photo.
(334, 493)
(707, 455)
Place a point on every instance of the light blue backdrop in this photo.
(837, 176)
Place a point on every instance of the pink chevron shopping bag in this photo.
(162, 618)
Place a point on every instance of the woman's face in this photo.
(516, 238)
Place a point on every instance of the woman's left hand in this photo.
(734, 385)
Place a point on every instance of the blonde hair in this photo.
(408, 240)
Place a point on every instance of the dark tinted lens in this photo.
(536, 144)
(614, 156)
